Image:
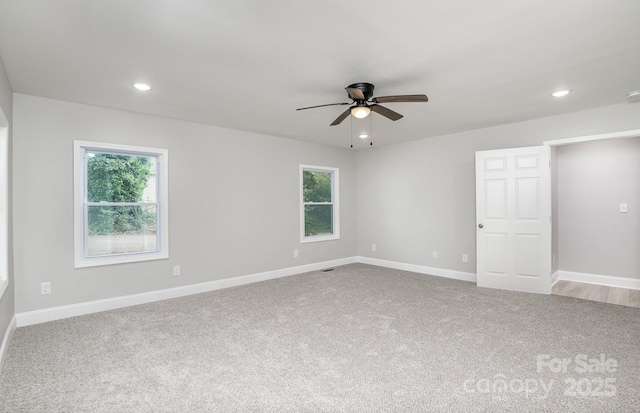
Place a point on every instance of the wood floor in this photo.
(593, 292)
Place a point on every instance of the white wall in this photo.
(418, 197)
(234, 202)
(412, 198)
(593, 179)
(7, 300)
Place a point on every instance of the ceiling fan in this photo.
(363, 103)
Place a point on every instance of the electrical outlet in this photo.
(295, 254)
(176, 270)
(373, 247)
(435, 254)
(45, 288)
(465, 257)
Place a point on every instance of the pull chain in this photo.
(371, 128)
(351, 119)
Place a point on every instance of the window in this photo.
(121, 202)
(319, 210)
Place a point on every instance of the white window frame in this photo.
(4, 203)
(335, 197)
(80, 203)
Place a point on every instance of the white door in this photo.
(513, 219)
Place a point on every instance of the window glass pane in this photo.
(121, 230)
(318, 219)
(120, 178)
(316, 186)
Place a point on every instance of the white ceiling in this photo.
(249, 64)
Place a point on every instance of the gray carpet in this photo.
(357, 339)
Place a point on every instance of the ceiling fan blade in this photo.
(320, 106)
(387, 113)
(355, 94)
(342, 117)
(401, 98)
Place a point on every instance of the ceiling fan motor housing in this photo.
(365, 88)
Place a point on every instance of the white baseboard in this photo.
(5, 341)
(73, 310)
(439, 272)
(555, 277)
(608, 280)
(66, 311)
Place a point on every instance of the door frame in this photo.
(631, 133)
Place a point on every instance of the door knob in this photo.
(480, 226)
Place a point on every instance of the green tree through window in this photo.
(317, 196)
(118, 179)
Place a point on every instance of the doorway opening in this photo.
(595, 183)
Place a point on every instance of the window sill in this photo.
(119, 259)
(319, 238)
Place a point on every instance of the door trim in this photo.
(633, 133)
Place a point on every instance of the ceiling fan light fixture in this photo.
(363, 136)
(360, 112)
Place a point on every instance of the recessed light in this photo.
(363, 136)
(142, 86)
(560, 93)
